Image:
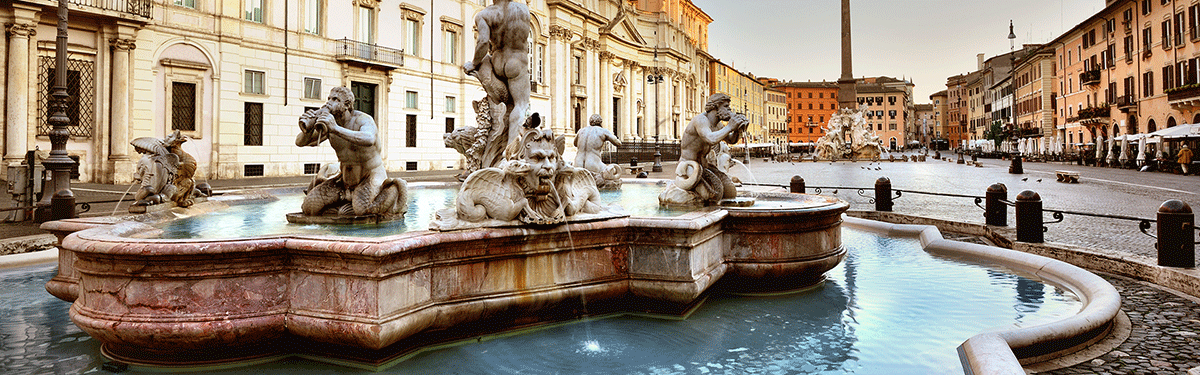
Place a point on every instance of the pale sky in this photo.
(922, 40)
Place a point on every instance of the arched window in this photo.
(1171, 122)
(1151, 126)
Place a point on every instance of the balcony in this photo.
(1093, 115)
(368, 54)
(1184, 97)
(135, 7)
(1127, 103)
(1090, 77)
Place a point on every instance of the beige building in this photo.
(1034, 88)
(889, 108)
(775, 117)
(746, 97)
(941, 106)
(234, 75)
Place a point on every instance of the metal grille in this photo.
(81, 83)
(253, 125)
(183, 106)
(253, 170)
(311, 168)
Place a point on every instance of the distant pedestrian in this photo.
(1185, 158)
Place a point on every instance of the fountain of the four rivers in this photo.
(527, 240)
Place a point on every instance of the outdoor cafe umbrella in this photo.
(1099, 150)
(1125, 149)
(1112, 156)
(1141, 153)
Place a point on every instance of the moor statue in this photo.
(590, 142)
(501, 63)
(698, 182)
(165, 172)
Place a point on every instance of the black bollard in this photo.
(62, 205)
(995, 212)
(1176, 248)
(633, 162)
(1016, 168)
(798, 184)
(960, 159)
(1029, 217)
(657, 167)
(883, 194)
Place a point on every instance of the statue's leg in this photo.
(365, 193)
(324, 194)
(518, 89)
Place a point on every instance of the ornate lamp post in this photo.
(1016, 167)
(58, 202)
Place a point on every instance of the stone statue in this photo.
(590, 141)
(501, 63)
(165, 172)
(361, 186)
(698, 182)
(862, 144)
(538, 189)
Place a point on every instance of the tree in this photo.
(997, 133)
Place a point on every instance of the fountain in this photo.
(849, 137)
(527, 241)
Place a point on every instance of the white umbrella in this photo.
(1125, 149)
(1099, 149)
(1112, 155)
(1141, 153)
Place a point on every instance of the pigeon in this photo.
(1039, 180)
(835, 191)
(1025, 179)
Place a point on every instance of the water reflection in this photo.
(889, 308)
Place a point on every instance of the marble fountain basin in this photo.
(188, 302)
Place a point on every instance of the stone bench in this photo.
(1067, 176)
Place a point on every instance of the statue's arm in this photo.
(612, 137)
(363, 137)
(483, 44)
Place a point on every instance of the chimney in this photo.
(979, 64)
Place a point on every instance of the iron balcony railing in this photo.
(1183, 92)
(136, 7)
(352, 49)
(1090, 77)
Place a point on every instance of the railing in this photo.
(1126, 101)
(1090, 77)
(643, 151)
(137, 7)
(347, 48)
(1175, 236)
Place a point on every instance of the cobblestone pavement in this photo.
(1163, 337)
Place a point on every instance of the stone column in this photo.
(629, 112)
(17, 92)
(606, 88)
(118, 144)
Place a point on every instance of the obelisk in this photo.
(847, 92)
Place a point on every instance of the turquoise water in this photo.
(264, 218)
(890, 308)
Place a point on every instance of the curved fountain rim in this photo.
(993, 352)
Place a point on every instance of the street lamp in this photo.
(60, 202)
(1015, 168)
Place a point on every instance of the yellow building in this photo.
(746, 97)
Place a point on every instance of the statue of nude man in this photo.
(354, 138)
(501, 62)
(590, 142)
(700, 135)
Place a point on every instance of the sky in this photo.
(921, 40)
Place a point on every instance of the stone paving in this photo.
(1163, 337)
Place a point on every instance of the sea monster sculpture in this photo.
(164, 173)
(533, 187)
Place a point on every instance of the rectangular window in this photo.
(252, 127)
(1147, 35)
(451, 46)
(183, 106)
(312, 88)
(1145, 7)
(1147, 84)
(186, 3)
(1166, 34)
(254, 10)
(451, 104)
(312, 16)
(410, 99)
(410, 131)
(1167, 77)
(366, 25)
(412, 34)
(449, 126)
(1129, 47)
(1179, 26)
(252, 170)
(541, 63)
(254, 82)
(1194, 20)
(577, 69)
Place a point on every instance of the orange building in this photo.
(810, 105)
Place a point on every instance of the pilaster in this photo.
(16, 131)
